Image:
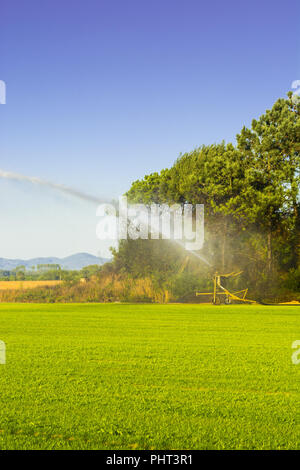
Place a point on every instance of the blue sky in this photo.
(100, 93)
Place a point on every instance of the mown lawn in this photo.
(115, 376)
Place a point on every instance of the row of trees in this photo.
(47, 272)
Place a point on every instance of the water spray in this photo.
(80, 195)
(56, 186)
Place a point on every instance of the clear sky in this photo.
(102, 92)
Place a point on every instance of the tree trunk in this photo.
(269, 250)
(224, 246)
(295, 242)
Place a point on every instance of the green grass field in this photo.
(115, 376)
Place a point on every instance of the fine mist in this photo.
(75, 193)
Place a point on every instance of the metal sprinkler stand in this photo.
(220, 290)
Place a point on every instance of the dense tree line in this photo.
(47, 272)
(251, 196)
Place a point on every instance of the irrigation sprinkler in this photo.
(221, 294)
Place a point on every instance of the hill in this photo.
(73, 262)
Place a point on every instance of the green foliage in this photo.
(145, 258)
(184, 285)
(251, 198)
(292, 280)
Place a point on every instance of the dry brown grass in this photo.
(20, 285)
(107, 288)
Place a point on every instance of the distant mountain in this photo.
(77, 261)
